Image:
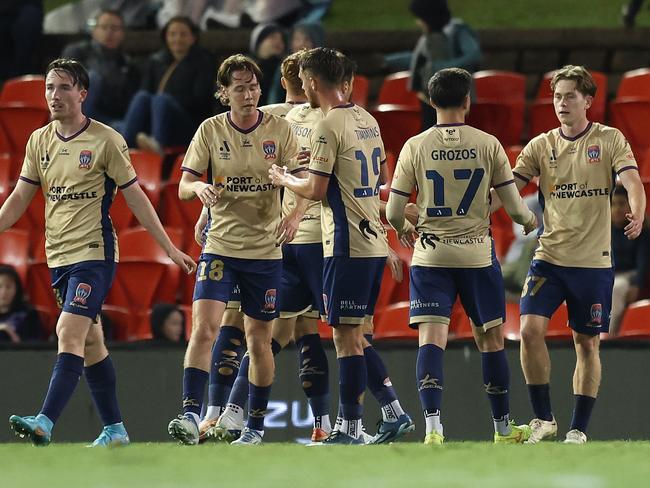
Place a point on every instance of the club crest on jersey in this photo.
(593, 153)
(269, 300)
(85, 159)
(82, 293)
(269, 149)
(596, 314)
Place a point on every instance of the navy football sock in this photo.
(314, 373)
(101, 381)
(259, 399)
(496, 378)
(429, 374)
(194, 380)
(240, 389)
(65, 376)
(226, 358)
(352, 384)
(540, 398)
(378, 381)
(582, 412)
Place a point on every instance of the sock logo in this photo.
(257, 412)
(190, 402)
(429, 382)
(495, 389)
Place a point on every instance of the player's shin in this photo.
(496, 379)
(429, 375)
(314, 378)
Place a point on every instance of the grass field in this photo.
(459, 464)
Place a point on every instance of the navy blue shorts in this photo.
(350, 289)
(587, 292)
(433, 293)
(258, 280)
(302, 280)
(81, 288)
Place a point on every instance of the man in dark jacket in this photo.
(113, 77)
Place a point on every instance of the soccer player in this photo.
(346, 169)
(79, 164)
(575, 164)
(454, 166)
(237, 149)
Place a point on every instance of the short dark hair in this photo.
(73, 68)
(289, 70)
(106, 11)
(349, 67)
(449, 87)
(181, 19)
(585, 84)
(325, 63)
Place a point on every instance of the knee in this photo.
(204, 329)
(68, 336)
(587, 346)
(531, 333)
(490, 341)
(347, 341)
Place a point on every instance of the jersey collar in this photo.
(66, 139)
(260, 116)
(575, 138)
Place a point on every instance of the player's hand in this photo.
(278, 175)
(303, 157)
(208, 194)
(199, 229)
(635, 226)
(531, 225)
(287, 228)
(411, 213)
(394, 263)
(409, 236)
(185, 262)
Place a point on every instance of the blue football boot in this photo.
(113, 435)
(338, 438)
(38, 429)
(391, 431)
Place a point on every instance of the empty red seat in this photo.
(18, 122)
(635, 83)
(148, 167)
(29, 89)
(14, 251)
(630, 110)
(636, 321)
(392, 322)
(394, 89)
(360, 89)
(499, 105)
(397, 123)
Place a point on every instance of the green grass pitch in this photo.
(456, 464)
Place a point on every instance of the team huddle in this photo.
(291, 231)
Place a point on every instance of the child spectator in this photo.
(19, 322)
(167, 323)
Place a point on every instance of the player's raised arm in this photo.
(16, 204)
(146, 215)
(516, 208)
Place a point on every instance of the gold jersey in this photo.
(79, 176)
(453, 167)
(302, 119)
(346, 146)
(242, 224)
(576, 175)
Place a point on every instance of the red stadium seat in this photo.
(360, 89)
(14, 251)
(5, 180)
(148, 167)
(397, 123)
(636, 321)
(392, 322)
(499, 105)
(181, 214)
(513, 152)
(558, 327)
(19, 121)
(28, 89)
(325, 331)
(120, 213)
(187, 281)
(187, 312)
(394, 90)
(632, 116)
(635, 83)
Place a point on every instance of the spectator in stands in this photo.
(19, 322)
(167, 323)
(630, 260)
(304, 35)
(267, 47)
(630, 11)
(114, 79)
(72, 17)
(177, 91)
(445, 42)
(516, 262)
(21, 24)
